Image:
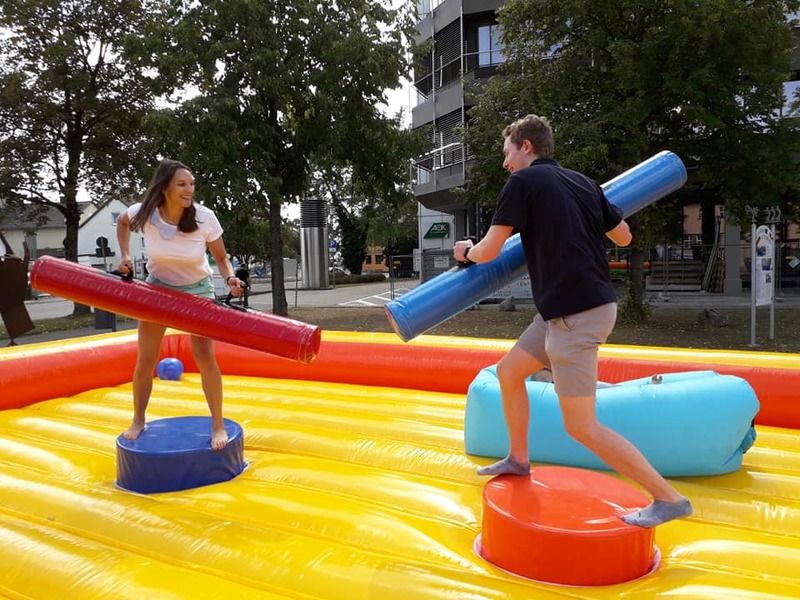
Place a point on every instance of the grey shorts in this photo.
(568, 346)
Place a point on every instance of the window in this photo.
(692, 239)
(791, 95)
(114, 218)
(426, 6)
(490, 48)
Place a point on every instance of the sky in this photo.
(400, 99)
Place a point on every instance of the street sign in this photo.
(764, 266)
(438, 230)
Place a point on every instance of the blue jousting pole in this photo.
(434, 301)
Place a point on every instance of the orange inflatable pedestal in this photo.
(562, 525)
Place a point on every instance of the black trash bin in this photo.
(105, 320)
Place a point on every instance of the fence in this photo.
(703, 267)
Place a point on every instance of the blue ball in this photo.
(170, 369)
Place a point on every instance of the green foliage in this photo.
(621, 81)
(631, 79)
(281, 87)
(291, 239)
(353, 230)
(71, 104)
(341, 278)
(394, 226)
(360, 220)
(400, 246)
(246, 234)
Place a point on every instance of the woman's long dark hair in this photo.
(154, 197)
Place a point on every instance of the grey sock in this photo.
(507, 466)
(658, 513)
(544, 375)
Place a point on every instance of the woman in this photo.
(177, 233)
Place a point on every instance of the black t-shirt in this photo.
(562, 217)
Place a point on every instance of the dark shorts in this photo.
(568, 346)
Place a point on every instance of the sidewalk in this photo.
(48, 307)
(789, 298)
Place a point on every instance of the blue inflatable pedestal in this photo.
(175, 454)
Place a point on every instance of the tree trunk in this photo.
(279, 304)
(72, 213)
(72, 218)
(634, 309)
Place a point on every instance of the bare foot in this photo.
(133, 431)
(219, 438)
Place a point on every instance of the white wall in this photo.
(103, 223)
(45, 238)
(427, 218)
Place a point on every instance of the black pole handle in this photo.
(124, 276)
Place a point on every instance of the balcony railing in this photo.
(426, 6)
(439, 158)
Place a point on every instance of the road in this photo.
(380, 293)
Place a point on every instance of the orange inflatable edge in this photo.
(39, 372)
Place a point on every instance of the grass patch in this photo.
(665, 326)
(53, 325)
(67, 323)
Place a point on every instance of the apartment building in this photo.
(466, 49)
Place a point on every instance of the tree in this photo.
(623, 80)
(394, 226)
(353, 229)
(282, 88)
(361, 220)
(246, 234)
(291, 239)
(71, 105)
(350, 212)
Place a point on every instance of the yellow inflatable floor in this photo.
(351, 493)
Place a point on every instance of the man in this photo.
(562, 217)
(243, 274)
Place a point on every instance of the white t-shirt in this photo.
(175, 257)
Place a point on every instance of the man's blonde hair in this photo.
(536, 130)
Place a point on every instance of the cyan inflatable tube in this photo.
(694, 423)
(450, 293)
